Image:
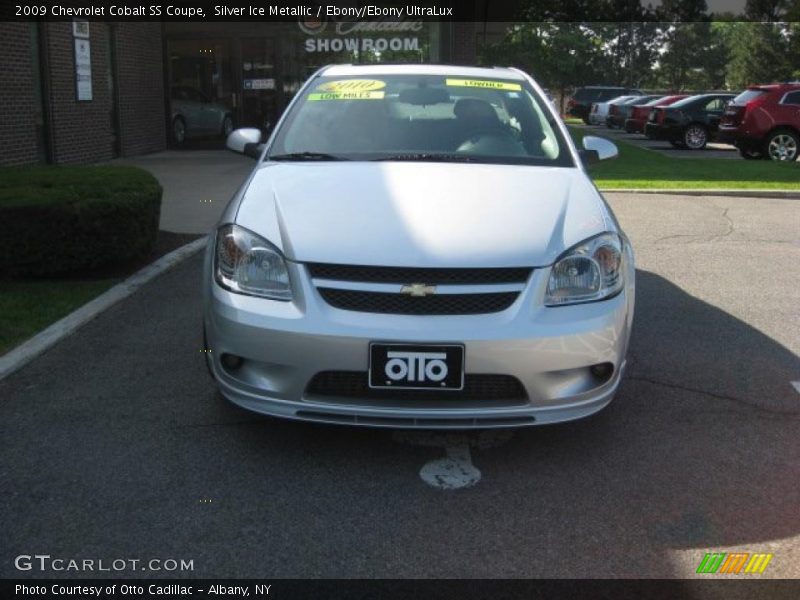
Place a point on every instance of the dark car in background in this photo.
(764, 122)
(618, 113)
(581, 102)
(194, 115)
(639, 114)
(690, 123)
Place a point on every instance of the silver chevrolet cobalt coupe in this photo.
(419, 246)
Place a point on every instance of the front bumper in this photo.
(735, 137)
(549, 350)
(634, 126)
(597, 118)
(667, 133)
(578, 111)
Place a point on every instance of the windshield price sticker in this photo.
(352, 85)
(346, 96)
(492, 85)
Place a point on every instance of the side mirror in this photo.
(245, 141)
(596, 149)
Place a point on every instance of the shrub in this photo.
(56, 220)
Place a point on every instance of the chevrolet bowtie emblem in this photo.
(418, 289)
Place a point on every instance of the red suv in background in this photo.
(764, 122)
(639, 114)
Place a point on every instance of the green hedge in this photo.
(56, 220)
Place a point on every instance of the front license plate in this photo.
(416, 366)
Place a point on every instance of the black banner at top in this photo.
(199, 11)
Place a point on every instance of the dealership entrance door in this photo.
(212, 77)
(201, 91)
(259, 83)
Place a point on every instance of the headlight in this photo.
(590, 271)
(248, 264)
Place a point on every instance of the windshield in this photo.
(687, 101)
(421, 117)
(748, 95)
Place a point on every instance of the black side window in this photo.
(792, 98)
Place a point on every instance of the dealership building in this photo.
(89, 91)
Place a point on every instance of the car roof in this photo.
(420, 69)
(771, 87)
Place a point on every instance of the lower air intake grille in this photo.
(438, 304)
(355, 384)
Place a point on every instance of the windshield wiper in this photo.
(425, 156)
(306, 156)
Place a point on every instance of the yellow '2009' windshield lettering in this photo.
(352, 85)
(487, 84)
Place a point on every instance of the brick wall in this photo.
(141, 88)
(17, 127)
(81, 130)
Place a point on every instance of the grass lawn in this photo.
(27, 307)
(647, 169)
(52, 258)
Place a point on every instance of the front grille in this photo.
(478, 276)
(438, 304)
(355, 385)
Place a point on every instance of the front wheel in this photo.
(178, 131)
(695, 137)
(782, 145)
(227, 126)
(207, 354)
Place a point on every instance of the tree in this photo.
(684, 32)
(760, 55)
(766, 10)
(558, 55)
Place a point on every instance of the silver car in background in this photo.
(599, 111)
(419, 246)
(194, 115)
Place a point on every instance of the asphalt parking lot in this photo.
(115, 444)
(712, 150)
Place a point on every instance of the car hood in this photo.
(422, 214)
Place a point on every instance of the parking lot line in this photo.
(453, 472)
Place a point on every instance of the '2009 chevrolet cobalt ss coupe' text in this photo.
(419, 246)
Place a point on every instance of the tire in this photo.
(178, 131)
(586, 120)
(227, 126)
(751, 154)
(695, 137)
(782, 145)
(206, 358)
(676, 144)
